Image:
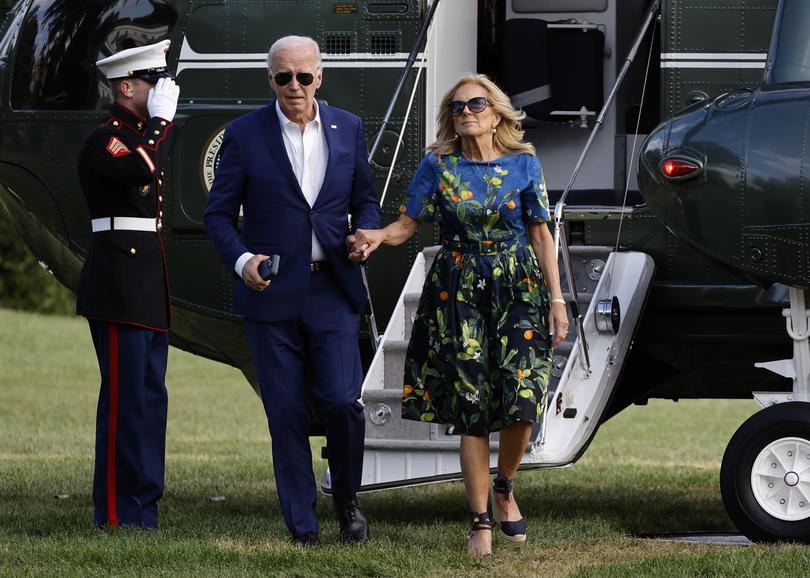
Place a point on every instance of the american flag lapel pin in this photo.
(334, 126)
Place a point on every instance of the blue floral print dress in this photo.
(480, 354)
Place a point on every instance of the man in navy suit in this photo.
(299, 170)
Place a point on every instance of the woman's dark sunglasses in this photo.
(285, 78)
(476, 105)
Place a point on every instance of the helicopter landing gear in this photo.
(765, 476)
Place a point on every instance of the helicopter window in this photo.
(529, 6)
(60, 40)
(7, 11)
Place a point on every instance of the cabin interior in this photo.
(578, 47)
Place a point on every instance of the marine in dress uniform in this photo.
(124, 289)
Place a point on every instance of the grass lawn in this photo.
(651, 469)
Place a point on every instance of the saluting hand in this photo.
(162, 99)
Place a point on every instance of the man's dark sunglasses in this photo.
(476, 105)
(285, 78)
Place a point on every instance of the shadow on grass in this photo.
(563, 503)
(630, 500)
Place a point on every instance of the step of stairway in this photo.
(411, 301)
(394, 363)
(383, 408)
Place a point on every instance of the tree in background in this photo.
(24, 284)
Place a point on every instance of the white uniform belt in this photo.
(124, 224)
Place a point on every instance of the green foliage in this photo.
(24, 284)
(650, 469)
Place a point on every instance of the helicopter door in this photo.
(573, 49)
(401, 452)
(551, 57)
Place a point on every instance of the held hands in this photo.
(558, 322)
(363, 243)
(250, 273)
(162, 99)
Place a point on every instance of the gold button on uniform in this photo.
(140, 125)
(151, 141)
(163, 123)
(116, 123)
(145, 189)
(157, 132)
(132, 250)
(160, 198)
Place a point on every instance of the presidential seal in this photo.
(210, 159)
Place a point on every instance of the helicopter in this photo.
(674, 173)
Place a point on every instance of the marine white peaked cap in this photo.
(147, 62)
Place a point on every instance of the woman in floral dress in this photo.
(479, 357)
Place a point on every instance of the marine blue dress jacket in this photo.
(124, 278)
(254, 172)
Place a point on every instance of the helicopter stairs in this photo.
(401, 452)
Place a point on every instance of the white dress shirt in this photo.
(308, 154)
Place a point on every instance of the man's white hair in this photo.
(292, 42)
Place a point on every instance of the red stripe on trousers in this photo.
(112, 427)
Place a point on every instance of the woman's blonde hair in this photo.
(508, 137)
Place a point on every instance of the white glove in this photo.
(162, 99)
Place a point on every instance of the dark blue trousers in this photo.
(317, 353)
(130, 423)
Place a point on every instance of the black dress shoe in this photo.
(308, 539)
(353, 525)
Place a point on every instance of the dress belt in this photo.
(124, 224)
(485, 247)
(318, 266)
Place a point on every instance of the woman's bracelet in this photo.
(560, 301)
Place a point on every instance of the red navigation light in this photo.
(674, 168)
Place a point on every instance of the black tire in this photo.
(791, 419)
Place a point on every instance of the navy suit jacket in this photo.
(255, 172)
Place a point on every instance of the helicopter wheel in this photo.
(765, 475)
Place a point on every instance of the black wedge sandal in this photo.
(512, 531)
(480, 523)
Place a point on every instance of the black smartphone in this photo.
(269, 267)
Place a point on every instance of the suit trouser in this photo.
(316, 353)
(130, 423)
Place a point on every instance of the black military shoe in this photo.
(353, 525)
(305, 540)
